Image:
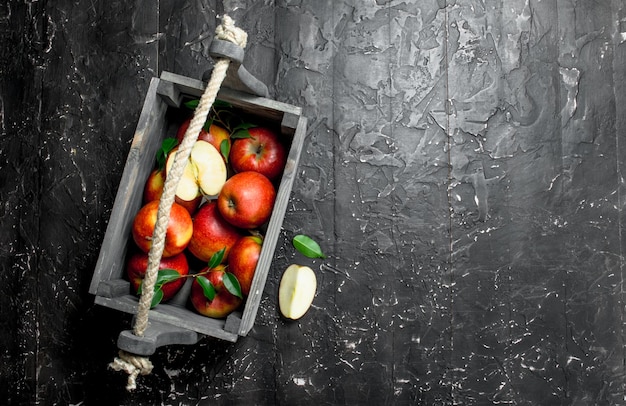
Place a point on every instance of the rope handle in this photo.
(130, 363)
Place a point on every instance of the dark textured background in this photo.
(462, 170)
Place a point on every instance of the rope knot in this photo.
(229, 32)
(133, 365)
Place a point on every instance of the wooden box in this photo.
(165, 96)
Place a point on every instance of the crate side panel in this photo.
(128, 199)
(173, 315)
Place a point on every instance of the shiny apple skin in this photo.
(211, 233)
(178, 232)
(247, 200)
(243, 259)
(262, 152)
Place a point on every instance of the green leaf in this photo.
(217, 258)
(156, 299)
(192, 104)
(221, 104)
(207, 124)
(225, 149)
(166, 275)
(232, 284)
(307, 246)
(207, 287)
(167, 146)
(241, 131)
(239, 134)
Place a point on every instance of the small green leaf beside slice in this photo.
(307, 246)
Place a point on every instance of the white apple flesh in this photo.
(205, 172)
(296, 291)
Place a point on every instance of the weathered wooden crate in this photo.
(165, 96)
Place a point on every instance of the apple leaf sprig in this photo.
(231, 283)
(165, 275)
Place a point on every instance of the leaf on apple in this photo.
(241, 131)
(167, 146)
(232, 284)
(156, 299)
(221, 104)
(164, 276)
(207, 124)
(225, 149)
(217, 258)
(307, 246)
(192, 104)
(207, 287)
(258, 238)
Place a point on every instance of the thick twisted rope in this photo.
(133, 364)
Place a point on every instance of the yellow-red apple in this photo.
(243, 258)
(137, 264)
(247, 199)
(223, 302)
(178, 232)
(261, 152)
(153, 190)
(211, 233)
(216, 136)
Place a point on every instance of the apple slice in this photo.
(296, 291)
(205, 172)
(209, 167)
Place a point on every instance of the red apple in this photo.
(178, 231)
(215, 136)
(222, 304)
(243, 259)
(153, 190)
(137, 265)
(261, 152)
(247, 199)
(211, 233)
